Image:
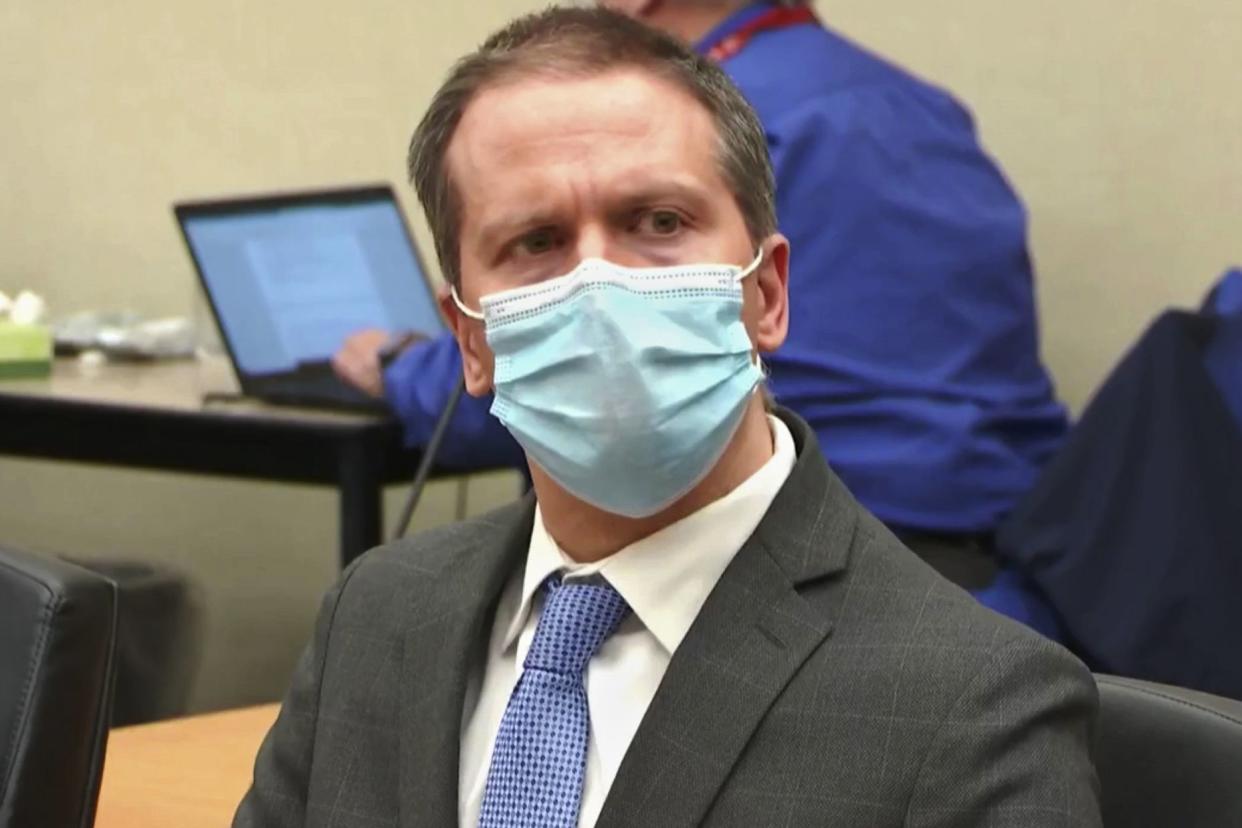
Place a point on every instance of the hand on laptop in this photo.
(360, 362)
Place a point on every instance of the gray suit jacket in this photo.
(830, 679)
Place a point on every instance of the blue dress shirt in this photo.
(913, 341)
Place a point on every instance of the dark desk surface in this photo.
(171, 388)
(153, 416)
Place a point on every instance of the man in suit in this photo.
(690, 621)
(913, 350)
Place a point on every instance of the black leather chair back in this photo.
(1168, 756)
(57, 642)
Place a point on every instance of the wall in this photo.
(1119, 123)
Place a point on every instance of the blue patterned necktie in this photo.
(535, 779)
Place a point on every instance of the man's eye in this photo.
(538, 241)
(661, 222)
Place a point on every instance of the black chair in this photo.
(1168, 756)
(57, 643)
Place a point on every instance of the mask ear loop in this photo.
(461, 306)
(746, 271)
(752, 267)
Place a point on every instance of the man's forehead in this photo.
(531, 119)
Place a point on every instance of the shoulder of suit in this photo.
(896, 617)
(428, 553)
(907, 596)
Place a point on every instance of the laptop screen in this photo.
(291, 277)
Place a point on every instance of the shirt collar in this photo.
(666, 577)
(731, 24)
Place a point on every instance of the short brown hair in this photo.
(574, 43)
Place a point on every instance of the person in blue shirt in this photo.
(913, 347)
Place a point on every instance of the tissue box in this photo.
(25, 351)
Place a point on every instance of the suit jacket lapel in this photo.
(449, 632)
(749, 640)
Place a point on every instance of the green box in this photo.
(25, 351)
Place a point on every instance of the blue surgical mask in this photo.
(624, 384)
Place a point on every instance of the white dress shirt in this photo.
(665, 578)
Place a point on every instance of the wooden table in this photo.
(153, 416)
(185, 772)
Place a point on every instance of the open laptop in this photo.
(290, 276)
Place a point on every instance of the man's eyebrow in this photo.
(638, 192)
(495, 229)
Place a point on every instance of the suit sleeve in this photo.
(278, 792)
(417, 386)
(1016, 748)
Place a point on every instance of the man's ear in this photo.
(477, 361)
(772, 280)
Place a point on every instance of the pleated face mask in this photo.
(624, 384)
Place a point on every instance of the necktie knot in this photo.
(577, 618)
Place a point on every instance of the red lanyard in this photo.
(781, 18)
